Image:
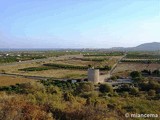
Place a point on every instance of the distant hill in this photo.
(154, 46)
(148, 46)
(143, 47)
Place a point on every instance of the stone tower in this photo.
(93, 75)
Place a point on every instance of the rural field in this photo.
(128, 67)
(44, 88)
(75, 60)
(79, 59)
(8, 80)
(137, 61)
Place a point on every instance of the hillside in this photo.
(148, 46)
(154, 46)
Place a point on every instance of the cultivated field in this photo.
(56, 73)
(125, 68)
(8, 80)
(76, 60)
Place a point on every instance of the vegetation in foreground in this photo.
(50, 99)
(53, 99)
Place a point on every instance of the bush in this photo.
(3, 71)
(113, 78)
(138, 79)
(123, 88)
(151, 92)
(32, 87)
(87, 113)
(68, 97)
(53, 89)
(85, 87)
(92, 94)
(125, 94)
(134, 91)
(17, 108)
(105, 88)
(156, 72)
(135, 74)
(154, 85)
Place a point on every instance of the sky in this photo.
(78, 23)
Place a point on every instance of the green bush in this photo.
(135, 74)
(53, 89)
(134, 91)
(32, 87)
(105, 88)
(85, 87)
(68, 97)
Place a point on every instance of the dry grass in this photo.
(135, 67)
(75, 62)
(14, 68)
(56, 73)
(8, 80)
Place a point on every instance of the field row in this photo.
(62, 66)
(141, 60)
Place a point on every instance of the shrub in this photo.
(88, 101)
(135, 74)
(134, 91)
(156, 72)
(87, 113)
(92, 94)
(154, 85)
(138, 79)
(151, 92)
(31, 87)
(105, 88)
(85, 87)
(68, 97)
(125, 94)
(3, 71)
(53, 89)
(17, 108)
(113, 78)
(123, 88)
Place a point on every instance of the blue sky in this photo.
(78, 23)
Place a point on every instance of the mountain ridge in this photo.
(153, 46)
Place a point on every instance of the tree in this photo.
(105, 88)
(135, 74)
